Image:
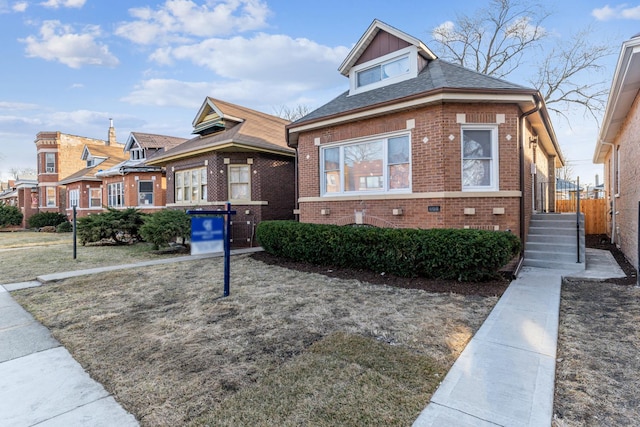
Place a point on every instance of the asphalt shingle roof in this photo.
(438, 74)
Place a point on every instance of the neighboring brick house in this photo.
(60, 156)
(239, 156)
(134, 183)
(418, 142)
(618, 149)
(84, 188)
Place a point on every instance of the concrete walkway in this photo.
(40, 382)
(505, 376)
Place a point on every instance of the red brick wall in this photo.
(436, 167)
(628, 195)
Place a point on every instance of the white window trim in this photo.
(51, 169)
(146, 192)
(46, 197)
(495, 160)
(119, 185)
(229, 167)
(201, 198)
(385, 166)
(74, 195)
(91, 199)
(410, 51)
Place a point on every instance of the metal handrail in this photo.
(578, 221)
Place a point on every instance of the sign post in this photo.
(211, 233)
(75, 233)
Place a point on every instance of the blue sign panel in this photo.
(207, 235)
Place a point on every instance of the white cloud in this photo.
(443, 31)
(20, 6)
(177, 19)
(271, 59)
(168, 92)
(59, 42)
(5, 105)
(607, 12)
(54, 4)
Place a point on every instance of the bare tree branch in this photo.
(292, 114)
(509, 34)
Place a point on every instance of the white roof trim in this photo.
(624, 88)
(369, 35)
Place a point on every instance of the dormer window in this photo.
(137, 154)
(390, 69)
(385, 70)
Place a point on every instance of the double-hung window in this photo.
(50, 162)
(51, 196)
(95, 197)
(191, 185)
(374, 166)
(480, 158)
(145, 193)
(239, 182)
(74, 198)
(115, 193)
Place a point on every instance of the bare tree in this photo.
(292, 114)
(566, 172)
(16, 173)
(509, 34)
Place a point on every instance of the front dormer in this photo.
(384, 56)
(90, 159)
(211, 119)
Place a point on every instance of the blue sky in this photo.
(70, 65)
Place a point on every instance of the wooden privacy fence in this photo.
(594, 210)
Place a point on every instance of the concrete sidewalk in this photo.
(506, 374)
(40, 382)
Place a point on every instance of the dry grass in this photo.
(23, 256)
(597, 382)
(278, 349)
(22, 239)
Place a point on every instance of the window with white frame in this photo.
(51, 196)
(50, 162)
(74, 198)
(95, 197)
(145, 193)
(388, 69)
(191, 186)
(137, 154)
(374, 166)
(115, 195)
(480, 158)
(239, 182)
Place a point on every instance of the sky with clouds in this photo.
(70, 65)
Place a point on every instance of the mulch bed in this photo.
(490, 288)
(602, 241)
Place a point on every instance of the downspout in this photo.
(613, 196)
(521, 124)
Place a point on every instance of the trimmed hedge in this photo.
(465, 255)
(119, 226)
(166, 226)
(46, 219)
(10, 215)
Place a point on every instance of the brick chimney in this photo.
(112, 134)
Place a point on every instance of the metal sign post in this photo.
(226, 239)
(75, 234)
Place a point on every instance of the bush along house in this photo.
(239, 156)
(417, 142)
(133, 182)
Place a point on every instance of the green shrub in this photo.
(118, 226)
(10, 215)
(435, 253)
(64, 227)
(44, 219)
(166, 226)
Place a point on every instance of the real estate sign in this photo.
(207, 235)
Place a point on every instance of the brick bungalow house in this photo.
(617, 148)
(59, 156)
(84, 188)
(238, 155)
(134, 183)
(418, 142)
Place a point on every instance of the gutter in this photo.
(522, 189)
(613, 196)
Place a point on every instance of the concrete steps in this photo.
(552, 242)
